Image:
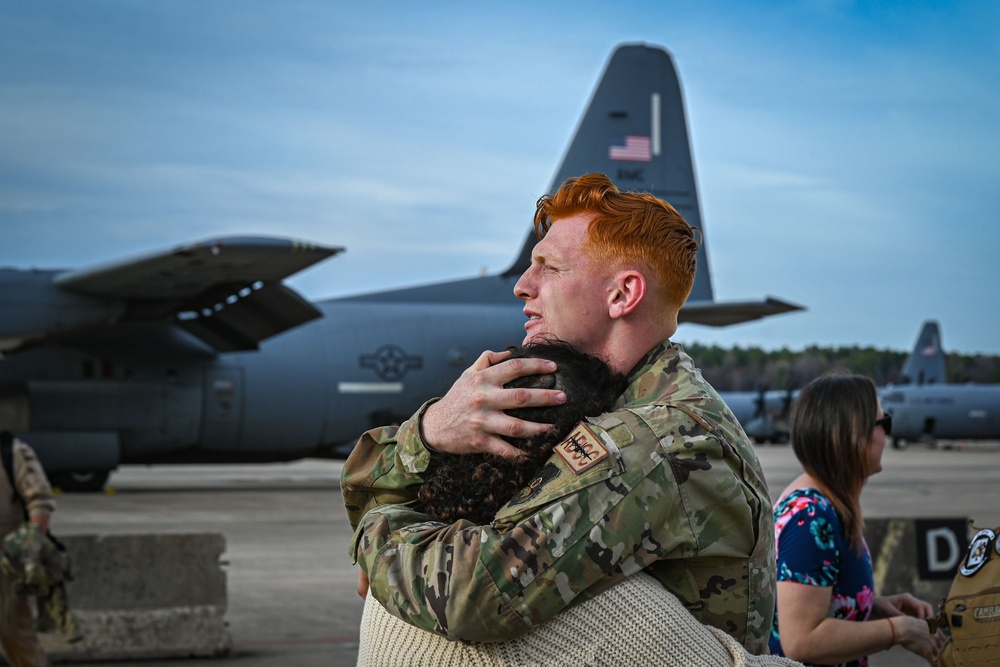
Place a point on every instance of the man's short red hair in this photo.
(629, 229)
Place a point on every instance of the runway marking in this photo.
(893, 536)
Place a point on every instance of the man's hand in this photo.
(470, 418)
(42, 519)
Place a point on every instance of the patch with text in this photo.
(582, 449)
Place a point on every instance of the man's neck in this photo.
(629, 343)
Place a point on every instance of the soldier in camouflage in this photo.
(17, 623)
(667, 482)
(41, 567)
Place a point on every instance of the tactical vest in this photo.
(971, 611)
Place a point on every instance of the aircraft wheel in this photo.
(83, 481)
(899, 443)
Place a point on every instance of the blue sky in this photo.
(846, 152)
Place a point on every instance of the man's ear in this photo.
(627, 292)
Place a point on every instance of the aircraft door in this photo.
(223, 408)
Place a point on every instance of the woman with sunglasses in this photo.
(827, 611)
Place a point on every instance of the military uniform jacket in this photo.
(667, 483)
(32, 484)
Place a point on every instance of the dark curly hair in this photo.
(476, 486)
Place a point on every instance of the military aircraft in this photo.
(928, 408)
(201, 354)
(763, 414)
(924, 407)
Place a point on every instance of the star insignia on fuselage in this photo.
(390, 362)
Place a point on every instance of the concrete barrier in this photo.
(145, 596)
(159, 596)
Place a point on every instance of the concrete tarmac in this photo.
(292, 599)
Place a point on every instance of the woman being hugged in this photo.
(827, 611)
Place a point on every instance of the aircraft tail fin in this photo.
(926, 363)
(635, 130)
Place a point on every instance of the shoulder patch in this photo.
(582, 449)
(548, 473)
(978, 553)
(615, 428)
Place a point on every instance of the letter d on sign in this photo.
(935, 561)
(941, 543)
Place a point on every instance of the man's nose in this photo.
(522, 287)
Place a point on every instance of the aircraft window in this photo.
(894, 397)
(223, 388)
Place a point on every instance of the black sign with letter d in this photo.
(941, 543)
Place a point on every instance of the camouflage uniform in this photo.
(668, 482)
(40, 568)
(17, 624)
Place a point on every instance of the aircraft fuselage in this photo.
(948, 411)
(309, 392)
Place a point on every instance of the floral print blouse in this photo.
(812, 549)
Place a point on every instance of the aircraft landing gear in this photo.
(83, 481)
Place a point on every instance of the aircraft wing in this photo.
(723, 313)
(226, 291)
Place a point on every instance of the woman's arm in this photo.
(808, 634)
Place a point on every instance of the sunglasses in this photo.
(886, 423)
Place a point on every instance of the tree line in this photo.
(752, 368)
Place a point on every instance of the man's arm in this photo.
(387, 464)
(570, 538)
(428, 574)
(579, 536)
(384, 468)
(33, 485)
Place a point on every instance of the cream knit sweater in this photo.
(637, 622)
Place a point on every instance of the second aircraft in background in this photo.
(924, 408)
